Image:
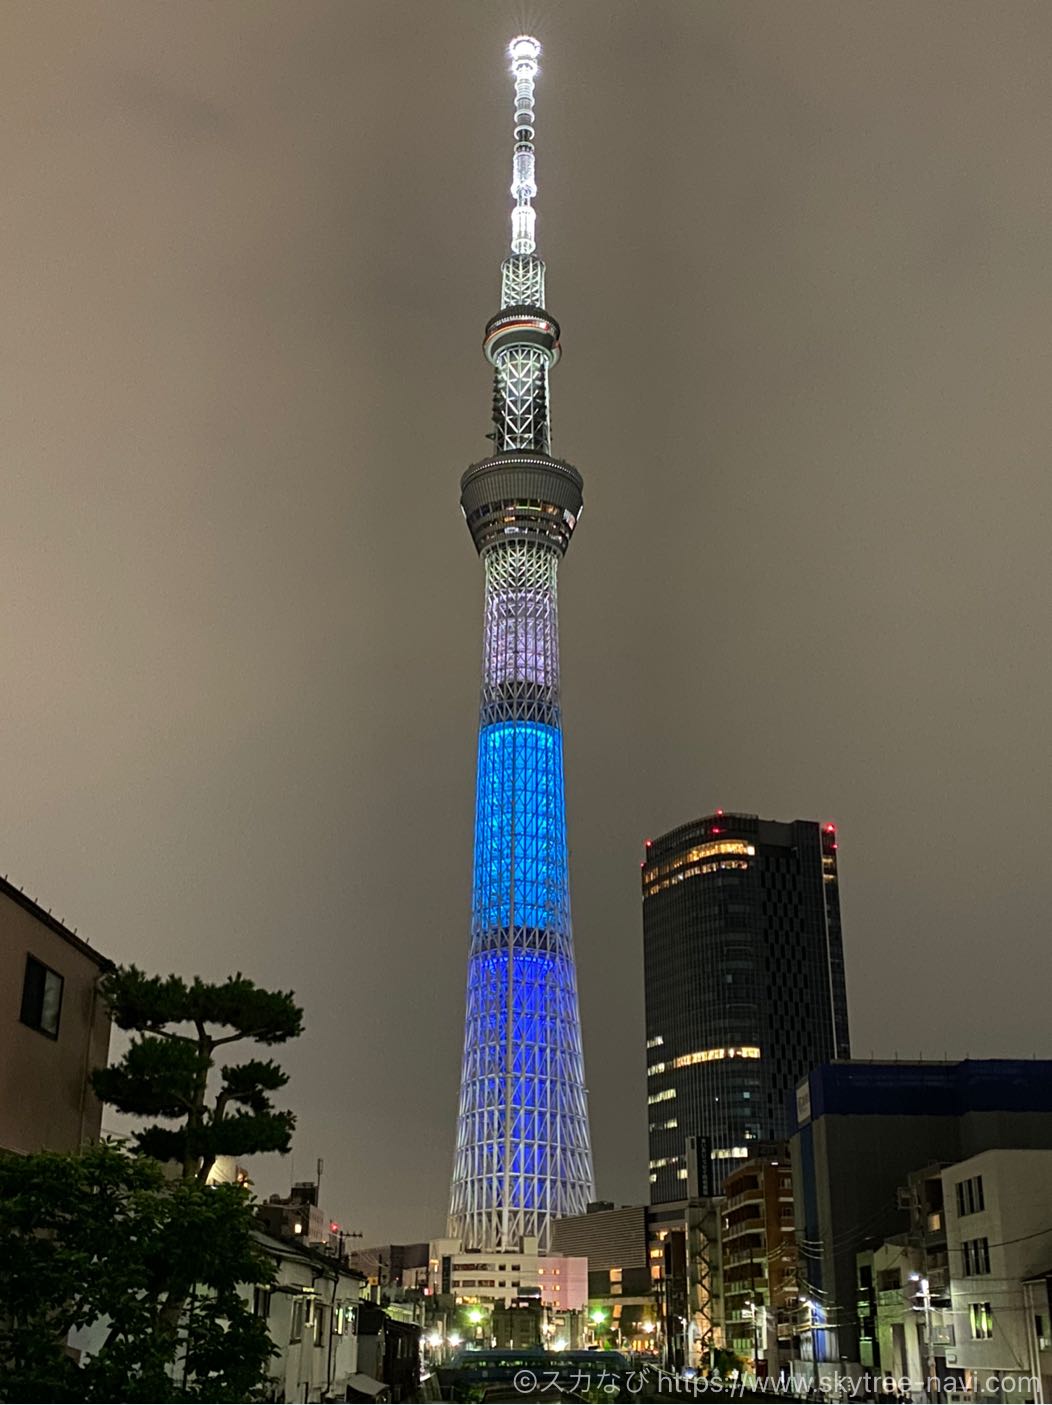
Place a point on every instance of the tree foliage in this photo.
(152, 1265)
(103, 1242)
(176, 1028)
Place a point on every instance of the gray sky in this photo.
(801, 258)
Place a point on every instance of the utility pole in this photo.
(931, 1387)
(917, 1227)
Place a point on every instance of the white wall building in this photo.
(998, 1208)
(311, 1311)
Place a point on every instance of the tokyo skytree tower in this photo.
(523, 1156)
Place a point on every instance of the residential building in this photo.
(389, 1352)
(759, 1261)
(500, 1278)
(311, 1311)
(902, 1277)
(999, 1237)
(562, 1281)
(54, 1029)
(297, 1216)
(744, 984)
(863, 1128)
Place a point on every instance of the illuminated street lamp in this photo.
(454, 1339)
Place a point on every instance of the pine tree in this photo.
(176, 1029)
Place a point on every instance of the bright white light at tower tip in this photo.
(525, 50)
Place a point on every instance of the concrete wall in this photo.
(45, 1101)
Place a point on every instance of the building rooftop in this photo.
(41, 914)
(926, 1088)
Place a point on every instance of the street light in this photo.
(597, 1317)
(924, 1288)
(454, 1339)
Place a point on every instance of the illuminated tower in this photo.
(523, 1155)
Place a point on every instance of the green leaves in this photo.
(156, 1078)
(268, 1017)
(106, 1237)
(244, 1080)
(178, 1026)
(103, 1236)
(154, 1003)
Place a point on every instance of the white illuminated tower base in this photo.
(523, 1156)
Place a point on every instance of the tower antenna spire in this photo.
(524, 52)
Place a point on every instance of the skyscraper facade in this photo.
(744, 980)
(523, 1154)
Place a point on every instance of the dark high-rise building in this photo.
(744, 973)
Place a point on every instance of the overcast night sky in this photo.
(801, 256)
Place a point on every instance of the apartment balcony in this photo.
(744, 1197)
(742, 1224)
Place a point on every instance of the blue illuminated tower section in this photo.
(523, 1154)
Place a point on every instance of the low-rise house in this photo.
(54, 1029)
(312, 1314)
(388, 1355)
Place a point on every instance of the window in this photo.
(41, 998)
(298, 1314)
(970, 1196)
(261, 1302)
(976, 1257)
(663, 1096)
(981, 1320)
(321, 1325)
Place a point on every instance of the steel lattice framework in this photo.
(523, 1155)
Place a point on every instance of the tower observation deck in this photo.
(523, 1156)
